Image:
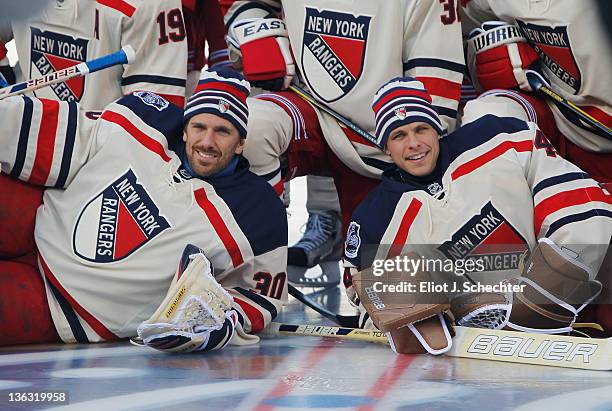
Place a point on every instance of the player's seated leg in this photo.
(24, 311)
(196, 314)
(322, 239)
(18, 204)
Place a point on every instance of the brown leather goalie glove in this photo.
(556, 287)
(415, 322)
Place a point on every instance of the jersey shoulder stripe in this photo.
(574, 218)
(45, 143)
(156, 112)
(147, 78)
(71, 131)
(121, 6)
(24, 134)
(560, 179)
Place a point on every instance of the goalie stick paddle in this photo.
(124, 56)
(306, 96)
(351, 321)
(493, 345)
(537, 84)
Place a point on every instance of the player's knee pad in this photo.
(17, 216)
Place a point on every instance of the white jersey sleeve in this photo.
(433, 53)
(252, 9)
(44, 142)
(570, 207)
(156, 31)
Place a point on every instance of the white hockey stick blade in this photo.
(536, 349)
(493, 345)
(124, 56)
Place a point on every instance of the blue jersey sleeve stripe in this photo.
(563, 178)
(145, 78)
(71, 317)
(24, 134)
(259, 300)
(71, 130)
(598, 212)
(430, 62)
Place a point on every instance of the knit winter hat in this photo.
(401, 101)
(224, 94)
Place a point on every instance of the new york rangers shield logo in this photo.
(53, 51)
(487, 236)
(117, 222)
(333, 52)
(555, 50)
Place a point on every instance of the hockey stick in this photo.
(494, 345)
(351, 321)
(537, 84)
(304, 94)
(124, 56)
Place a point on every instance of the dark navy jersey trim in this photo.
(256, 207)
(71, 317)
(445, 111)
(597, 212)
(71, 129)
(563, 178)
(168, 121)
(429, 62)
(24, 133)
(145, 78)
(379, 164)
(259, 300)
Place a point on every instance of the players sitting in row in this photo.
(126, 194)
(494, 188)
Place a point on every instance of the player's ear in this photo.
(240, 146)
(185, 136)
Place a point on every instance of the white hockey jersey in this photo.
(69, 32)
(344, 51)
(574, 49)
(121, 208)
(498, 186)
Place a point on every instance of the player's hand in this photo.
(498, 56)
(260, 48)
(196, 314)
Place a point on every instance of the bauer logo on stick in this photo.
(117, 222)
(333, 53)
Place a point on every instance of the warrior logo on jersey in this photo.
(333, 52)
(553, 46)
(489, 237)
(53, 51)
(152, 99)
(353, 240)
(117, 222)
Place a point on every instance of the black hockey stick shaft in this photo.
(306, 96)
(350, 321)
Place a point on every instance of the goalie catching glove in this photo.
(196, 314)
(411, 328)
(260, 48)
(499, 57)
(556, 288)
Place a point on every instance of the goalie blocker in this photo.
(410, 328)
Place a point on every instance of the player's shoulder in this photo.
(483, 130)
(376, 210)
(152, 109)
(129, 8)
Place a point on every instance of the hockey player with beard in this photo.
(501, 189)
(126, 195)
(340, 52)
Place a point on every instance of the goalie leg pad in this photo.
(556, 288)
